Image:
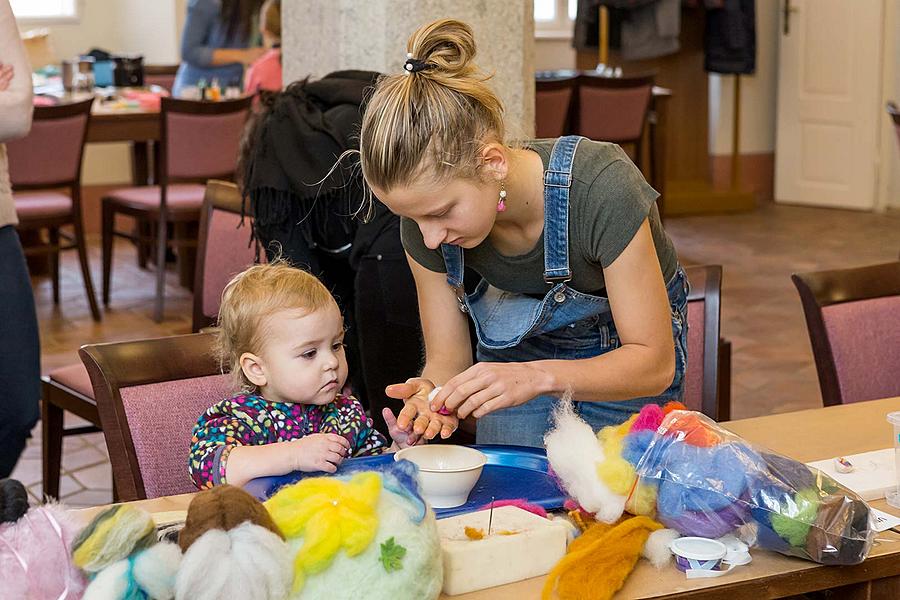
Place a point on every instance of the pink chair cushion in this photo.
(75, 377)
(186, 196)
(42, 205)
(612, 115)
(160, 418)
(551, 108)
(203, 145)
(228, 252)
(50, 153)
(693, 377)
(865, 342)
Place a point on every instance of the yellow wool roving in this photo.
(619, 474)
(112, 536)
(329, 514)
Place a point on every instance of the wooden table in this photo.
(805, 435)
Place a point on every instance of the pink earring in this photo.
(501, 204)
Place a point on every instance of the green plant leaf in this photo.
(392, 555)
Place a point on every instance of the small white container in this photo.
(697, 553)
(446, 473)
(893, 496)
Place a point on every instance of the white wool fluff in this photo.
(574, 452)
(110, 583)
(248, 562)
(656, 550)
(155, 570)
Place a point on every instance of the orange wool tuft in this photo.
(696, 432)
(674, 405)
(600, 560)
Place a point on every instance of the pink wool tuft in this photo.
(649, 418)
(532, 508)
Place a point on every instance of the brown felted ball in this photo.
(223, 507)
(840, 534)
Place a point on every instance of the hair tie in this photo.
(414, 65)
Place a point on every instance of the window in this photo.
(554, 18)
(45, 9)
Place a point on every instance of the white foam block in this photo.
(500, 558)
(873, 475)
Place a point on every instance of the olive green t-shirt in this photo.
(608, 201)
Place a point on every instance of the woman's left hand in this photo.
(489, 386)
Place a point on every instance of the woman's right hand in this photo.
(417, 413)
(319, 452)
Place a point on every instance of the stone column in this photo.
(321, 36)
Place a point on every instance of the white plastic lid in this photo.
(894, 418)
(698, 548)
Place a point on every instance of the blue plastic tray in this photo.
(511, 472)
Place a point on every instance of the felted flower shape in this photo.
(329, 514)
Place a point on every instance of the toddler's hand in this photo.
(403, 438)
(320, 452)
(417, 412)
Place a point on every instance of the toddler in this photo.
(282, 334)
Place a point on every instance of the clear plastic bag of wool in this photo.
(702, 480)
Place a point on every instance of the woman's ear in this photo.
(494, 162)
(253, 368)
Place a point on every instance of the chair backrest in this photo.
(50, 155)
(701, 380)
(150, 394)
(201, 140)
(553, 104)
(224, 250)
(613, 109)
(854, 329)
(161, 75)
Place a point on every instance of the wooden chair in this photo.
(161, 75)
(149, 396)
(854, 329)
(614, 109)
(707, 385)
(225, 249)
(41, 164)
(553, 102)
(199, 141)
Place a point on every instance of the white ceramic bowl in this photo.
(446, 473)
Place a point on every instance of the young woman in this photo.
(581, 290)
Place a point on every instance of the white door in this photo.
(829, 91)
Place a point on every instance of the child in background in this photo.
(281, 332)
(265, 73)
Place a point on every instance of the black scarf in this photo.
(288, 172)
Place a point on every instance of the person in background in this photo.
(20, 354)
(216, 43)
(265, 73)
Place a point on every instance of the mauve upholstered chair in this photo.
(150, 394)
(553, 103)
(853, 318)
(614, 109)
(225, 249)
(198, 141)
(45, 172)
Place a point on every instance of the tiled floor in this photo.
(772, 362)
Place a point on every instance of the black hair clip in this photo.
(414, 65)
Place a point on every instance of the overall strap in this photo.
(453, 260)
(557, 181)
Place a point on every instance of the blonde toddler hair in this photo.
(253, 296)
(433, 121)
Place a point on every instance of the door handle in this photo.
(788, 9)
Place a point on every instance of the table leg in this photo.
(140, 155)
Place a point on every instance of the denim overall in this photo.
(565, 324)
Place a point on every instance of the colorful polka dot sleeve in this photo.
(251, 420)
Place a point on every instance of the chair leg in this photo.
(109, 217)
(53, 237)
(161, 245)
(51, 443)
(143, 230)
(86, 269)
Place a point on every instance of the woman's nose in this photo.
(433, 237)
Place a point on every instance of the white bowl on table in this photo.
(446, 473)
